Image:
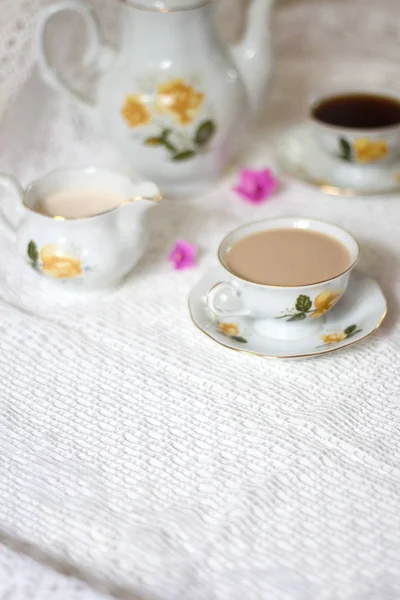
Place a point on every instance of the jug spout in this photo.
(144, 196)
(139, 198)
(252, 54)
(147, 192)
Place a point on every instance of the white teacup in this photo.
(358, 146)
(84, 253)
(283, 312)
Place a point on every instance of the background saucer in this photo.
(300, 156)
(358, 315)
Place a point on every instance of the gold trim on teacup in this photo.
(289, 356)
(287, 287)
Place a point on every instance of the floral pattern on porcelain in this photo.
(173, 116)
(135, 111)
(304, 306)
(232, 331)
(180, 100)
(54, 262)
(363, 150)
(337, 337)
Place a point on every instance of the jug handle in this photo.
(9, 225)
(97, 55)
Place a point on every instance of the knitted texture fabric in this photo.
(153, 464)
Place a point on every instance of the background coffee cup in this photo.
(355, 145)
(284, 312)
(87, 253)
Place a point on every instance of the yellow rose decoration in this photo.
(179, 99)
(369, 150)
(135, 112)
(230, 329)
(55, 264)
(333, 338)
(325, 301)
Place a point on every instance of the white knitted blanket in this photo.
(140, 457)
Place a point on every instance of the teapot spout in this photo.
(252, 55)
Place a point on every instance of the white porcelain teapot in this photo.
(173, 98)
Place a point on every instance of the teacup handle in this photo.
(98, 55)
(221, 296)
(10, 225)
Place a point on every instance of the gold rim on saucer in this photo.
(334, 190)
(290, 356)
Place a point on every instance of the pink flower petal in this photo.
(256, 186)
(183, 255)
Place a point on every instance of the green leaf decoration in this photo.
(165, 141)
(185, 155)
(353, 333)
(169, 146)
(350, 330)
(298, 317)
(33, 252)
(165, 133)
(204, 133)
(154, 141)
(345, 149)
(239, 339)
(303, 304)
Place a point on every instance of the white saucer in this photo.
(358, 315)
(300, 156)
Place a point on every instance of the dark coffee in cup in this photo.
(358, 111)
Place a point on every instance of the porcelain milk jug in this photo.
(91, 253)
(173, 98)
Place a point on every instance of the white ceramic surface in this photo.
(364, 147)
(145, 458)
(89, 254)
(284, 312)
(299, 155)
(173, 98)
(358, 315)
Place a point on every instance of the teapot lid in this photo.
(166, 5)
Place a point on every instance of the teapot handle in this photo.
(98, 55)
